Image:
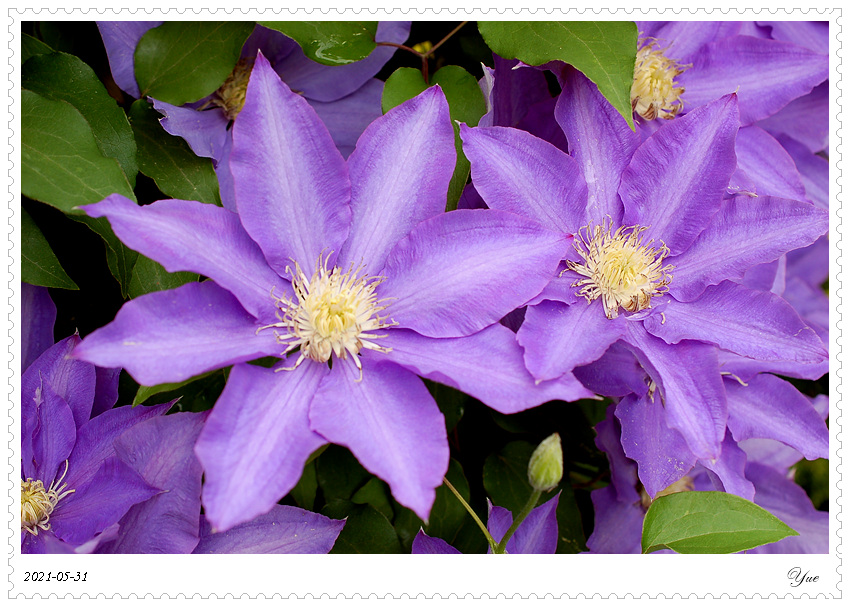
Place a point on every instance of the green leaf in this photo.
(450, 401)
(39, 265)
(119, 258)
(366, 531)
(64, 77)
(339, 473)
(61, 163)
(466, 104)
(183, 61)
(604, 51)
(709, 522)
(32, 46)
(375, 493)
(506, 476)
(145, 392)
(148, 277)
(304, 493)
(169, 160)
(330, 42)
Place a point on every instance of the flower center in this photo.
(686, 483)
(230, 96)
(654, 91)
(38, 503)
(619, 268)
(332, 313)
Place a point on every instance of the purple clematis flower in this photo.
(161, 450)
(537, 534)
(655, 248)
(354, 264)
(73, 484)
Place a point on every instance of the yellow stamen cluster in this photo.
(686, 483)
(654, 90)
(230, 96)
(619, 268)
(332, 313)
(38, 503)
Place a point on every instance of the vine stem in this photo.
(424, 56)
(529, 506)
(490, 540)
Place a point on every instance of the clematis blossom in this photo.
(655, 249)
(354, 275)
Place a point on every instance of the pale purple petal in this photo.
(400, 174)
(557, 338)
(813, 168)
(768, 164)
(425, 544)
(601, 142)
(769, 407)
(290, 181)
(95, 439)
(391, 424)
(52, 439)
(257, 440)
(811, 303)
(688, 376)
(72, 380)
(283, 530)
(661, 453)
(205, 131)
(161, 451)
(806, 119)
(38, 314)
(616, 373)
(170, 336)
(728, 470)
(617, 525)
(44, 543)
(747, 368)
(485, 262)
(347, 118)
(331, 82)
(676, 178)
(106, 390)
(813, 35)
(812, 263)
(765, 277)
(770, 453)
(113, 489)
(746, 232)
(120, 39)
(519, 173)
(685, 38)
(194, 237)
(751, 323)
(766, 74)
(486, 365)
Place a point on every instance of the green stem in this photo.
(489, 537)
(529, 506)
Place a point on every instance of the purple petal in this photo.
(601, 142)
(331, 82)
(225, 177)
(751, 323)
(400, 174)
(96, 437)
(746, 232)
(44, 543)
(813, 35)
(806, 119)
(52, 439)
(747, 368)
(623, 470)
(661, 453)
(616, 373)
(766, 74)
(519, 173)
(812, 263)
(257, 440)
(425, 544)
(540, 122)
(538, 533)
(120, 39)
(486, 365)
(689, 376)
(347, 118)
(686, 38)
(391, 424)
(106, 390)
(204, 131)
(91, 509)
(813, 168)
(769, 407)
(283, 530)
(513, 91)
(728, 469)
(557, 338)
(676, 178)
(768, 164)
(811, 303)
(499, 520)
(617, 525)
(483, 261)
(273, 44)
(72, 380)
(191, 236)
(38, 314)
(770, 453)
(290, 181)
(170, 336)
(161, 451)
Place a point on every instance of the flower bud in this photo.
(546, 466)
